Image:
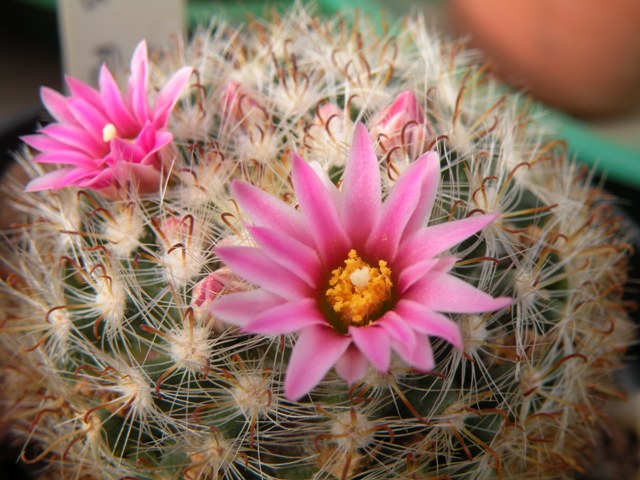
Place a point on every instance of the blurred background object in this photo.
(582, 56)
(93, 32)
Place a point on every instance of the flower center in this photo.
(109, 132)
(357, 292)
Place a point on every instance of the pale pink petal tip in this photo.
(170, 93)
(373, 341)
(286, 318)
(317, 349)
(242, 307)
(361, 192)
(50, 181)
(352, 366)
(317, 205)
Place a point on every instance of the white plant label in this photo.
(93, 32)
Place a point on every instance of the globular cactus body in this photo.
(116, 365)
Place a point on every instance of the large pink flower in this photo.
(106, 139)
(355, 275)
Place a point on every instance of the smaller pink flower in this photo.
(402, 124)
(106, 139)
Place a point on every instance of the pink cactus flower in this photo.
(402, 124)
(107, 139)
(356, 276)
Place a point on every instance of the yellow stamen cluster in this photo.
(357, 291)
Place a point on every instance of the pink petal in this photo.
(56, 104)
(145, 178)
(420, 357)
(412, 106)
(150, 139)
(267, 211)
(361, 188)
(168, 96)
(413, 273)
(242, 307)
(82, 91)
(397, 209)
(433, 240)
(99, 179)
(49, 181)
(163, 138)
(114, 105)
(76, 137)
(124, 151)
(136, 96)
(60, 178)
(416, 271)
(42, 142)
(48, 145)
(151, 157)
(431, 323)
(316, 351)
(254, 266)
(290, 253)
(90, 117)
(327, 182)
(320, 212)
(402, 104)
(373, 342)
(398, 329)
(67, 157)
(352, 365)
(405, 106)
(445, 264)
(287, 318)
(445, 293)
(428, 192)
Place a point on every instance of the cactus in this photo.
(119, 363)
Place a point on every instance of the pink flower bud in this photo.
(329, 112)
(240, 106)
(220, 282)
(329, 126)
(402, 125)
(176, 230)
